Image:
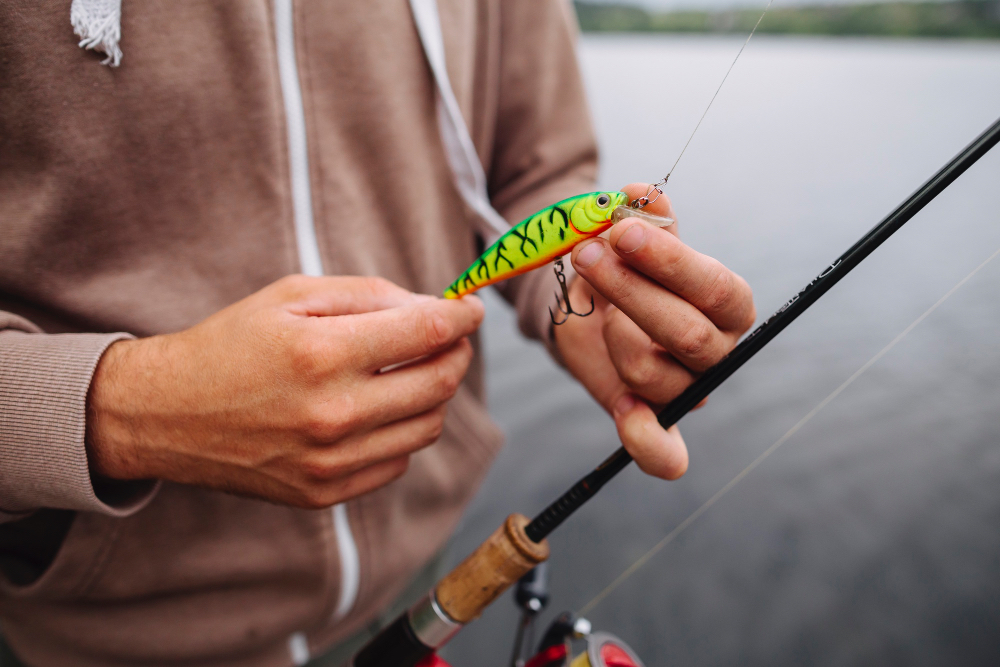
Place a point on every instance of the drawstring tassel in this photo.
(98, 24)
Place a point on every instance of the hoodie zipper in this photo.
(310, 261)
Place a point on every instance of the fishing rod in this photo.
(553, 515)
(519, 544)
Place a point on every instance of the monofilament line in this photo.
(721, 83)
(694, 516)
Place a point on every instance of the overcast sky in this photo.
(721, 4)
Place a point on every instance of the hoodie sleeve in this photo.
(545, 149)
(44, 381)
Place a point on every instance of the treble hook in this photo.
(562, 302)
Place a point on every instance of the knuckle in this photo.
(670, 259)
(464, 353)
(617, 325)
(349, 419)
(435, 424)
(446, 381)
(722, 292)
(436, 327)
(379, 286)
(294, 285)
(622, 286)
(319, 470)
(324, 423)
(307, 355)
(398, 467)
(315, 498)
(318, 428)
(436, 431)
(639, 373)
(673, 255)
(695, 343)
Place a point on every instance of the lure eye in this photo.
(603, 201)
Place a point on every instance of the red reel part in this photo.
(553, 656)
(613, 655)
(603, 650)
(606, 650)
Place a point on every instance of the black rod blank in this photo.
(553, 515)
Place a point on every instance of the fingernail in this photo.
(590, 254)
(632, 238)
(624, 404)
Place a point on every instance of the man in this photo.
(166, 490)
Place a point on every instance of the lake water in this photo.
(873, 535)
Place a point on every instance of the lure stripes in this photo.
(539, 239)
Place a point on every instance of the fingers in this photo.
(724, 297)
(596, 349)
(322, 494)
(643, 365)
(415, 388)
(396, 335)
(339, 360)
(683, 330)
(340, 295)
(358, 464)
(658, 452)
(388, 442)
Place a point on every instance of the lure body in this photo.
(539, 239)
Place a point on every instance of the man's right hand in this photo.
(280, 396)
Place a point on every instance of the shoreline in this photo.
(946, 20)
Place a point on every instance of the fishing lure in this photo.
(554, 231)
(546, 236)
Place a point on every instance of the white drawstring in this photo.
(470, 179)
(98, 24)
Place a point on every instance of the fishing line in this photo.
(664, 180)
(694, 516)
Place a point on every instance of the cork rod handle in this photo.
(500, 561)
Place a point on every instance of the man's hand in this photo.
(664, 314)
(281, 395)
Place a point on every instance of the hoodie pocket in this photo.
(76, 561)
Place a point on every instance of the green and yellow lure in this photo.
(539, 239)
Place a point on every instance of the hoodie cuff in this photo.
(44, 381)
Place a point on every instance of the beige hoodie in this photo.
(144, 198)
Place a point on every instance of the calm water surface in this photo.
(873, 535)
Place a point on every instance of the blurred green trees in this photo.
(960, 18)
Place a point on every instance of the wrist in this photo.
(110, 434)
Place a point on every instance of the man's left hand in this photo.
(664, 313)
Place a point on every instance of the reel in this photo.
(603, 649)
(556, 648)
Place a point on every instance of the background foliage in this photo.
(963, 18)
